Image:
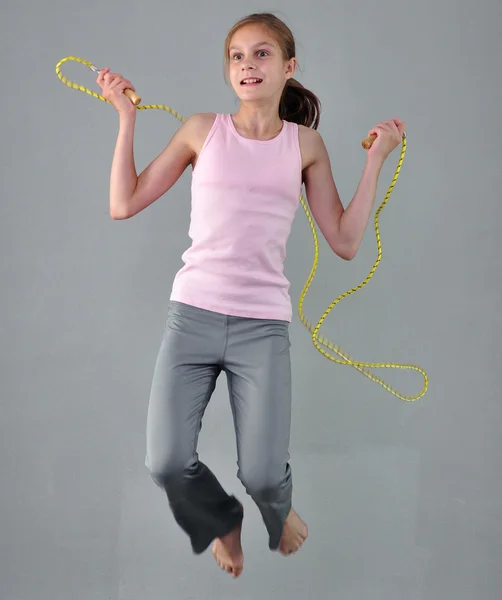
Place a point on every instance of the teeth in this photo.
(251, 80)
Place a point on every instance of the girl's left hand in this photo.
(389, 136)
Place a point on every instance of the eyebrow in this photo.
(255, 45)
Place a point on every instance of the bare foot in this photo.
(294, 534)
(227, 552)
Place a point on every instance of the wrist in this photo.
(127, 118)
(375, 160)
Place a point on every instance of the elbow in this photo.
(119, 213)
(347, 255)
(122, 206)
(345, 252)
(343, 245)
(118, 216)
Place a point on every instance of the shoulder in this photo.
(195, 130)
(201, 119)
(311, 145)
(198, 123)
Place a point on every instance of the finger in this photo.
(401, 125)
(119, 81)
(393, 127)
(129, 85)
(101, 75)
(377, 130)
(109, 77)
(121, 86)
(383, 127)
(116, 81)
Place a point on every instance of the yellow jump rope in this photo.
(318, 341)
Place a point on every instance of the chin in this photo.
(251, 100)
(251, 94)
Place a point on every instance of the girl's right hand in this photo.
(112, 89)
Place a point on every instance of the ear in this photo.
(290, 67)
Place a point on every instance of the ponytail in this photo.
(299, 105)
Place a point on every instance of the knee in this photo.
(266, 482)
(164, 468)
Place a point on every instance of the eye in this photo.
(262, 52)
(236, 56)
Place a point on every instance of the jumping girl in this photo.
(230, 308)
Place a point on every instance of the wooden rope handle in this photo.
(368, 142)
(133, 97)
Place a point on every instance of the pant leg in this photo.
(185, 374)
(258, 369)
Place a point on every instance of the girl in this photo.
(230, 308)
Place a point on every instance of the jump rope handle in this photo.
(133, 97)
(368, 142)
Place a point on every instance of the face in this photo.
(257, 69)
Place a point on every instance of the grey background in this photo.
(403, 501)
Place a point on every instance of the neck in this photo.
(260, 122)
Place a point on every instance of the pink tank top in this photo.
(245, 194)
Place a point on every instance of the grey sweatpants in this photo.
(255, 355)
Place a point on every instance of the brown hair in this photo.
(298, 104)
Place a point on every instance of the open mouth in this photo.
(251, 81)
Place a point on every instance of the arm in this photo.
(355, 218)
(130, 193)
(342, 228)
